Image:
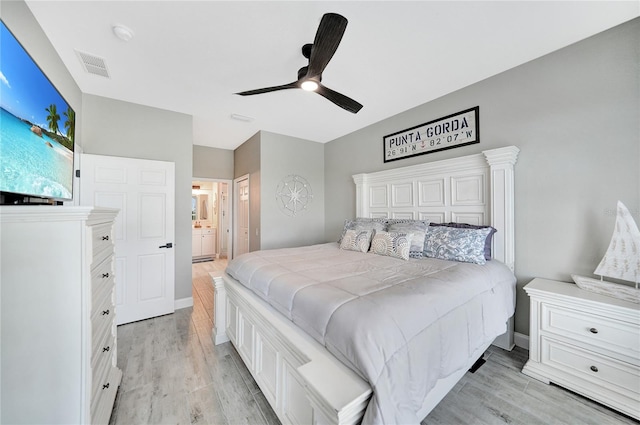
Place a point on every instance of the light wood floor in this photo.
(173, 374)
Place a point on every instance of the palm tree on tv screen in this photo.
(53, 117)
(69, 124)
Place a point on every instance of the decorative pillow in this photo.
(391, 244)
(417, 227)
(363, 223)
(451, 243)
(356, 240)
(487, 242)
(406, 220)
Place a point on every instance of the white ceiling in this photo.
(191, 56)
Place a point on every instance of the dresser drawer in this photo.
(100, 381)
(605, 333)
(102, 281)
(102, 401)
(102, 241)
(102, 347)
(102, 317)
(599, 370)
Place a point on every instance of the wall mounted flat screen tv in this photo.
(37, 130)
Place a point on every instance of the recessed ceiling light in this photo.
(123, 33)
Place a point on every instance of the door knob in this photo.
(168, 245)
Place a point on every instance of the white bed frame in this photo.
(300, 379)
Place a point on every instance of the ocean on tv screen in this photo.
(31, 163)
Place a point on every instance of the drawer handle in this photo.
(593, 330)
(105, 238)
(105, 349)
(593, 369)
(105, 312)
(105, 275)
(105, 386)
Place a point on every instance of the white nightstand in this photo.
(585, 342)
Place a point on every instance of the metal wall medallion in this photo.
(294, 195)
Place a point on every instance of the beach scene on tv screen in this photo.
(37, 127)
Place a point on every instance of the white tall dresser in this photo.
(58, 333)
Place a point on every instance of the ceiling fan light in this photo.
(309, 85)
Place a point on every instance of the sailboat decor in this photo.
(621, 261)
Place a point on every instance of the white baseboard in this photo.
(183, 303)
(521, 340)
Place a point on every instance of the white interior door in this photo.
(223, 228)
(143, 191)
(241, 245)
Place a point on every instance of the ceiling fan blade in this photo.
(328, 36)
(293, 85)
(339, 99)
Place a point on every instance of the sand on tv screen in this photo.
(37, 127)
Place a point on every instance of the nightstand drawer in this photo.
(603, 332)
(599, 370)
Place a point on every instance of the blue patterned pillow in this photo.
(356, 240)
(417, 227)
(363, 223)
(391, 244)
(487, 242)
(450, 243)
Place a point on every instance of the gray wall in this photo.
(574, 114)
(212, 163)
(280, 157)
(247, 160)
(268, 158)
(116, 128)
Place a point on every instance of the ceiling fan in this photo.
(328, 36)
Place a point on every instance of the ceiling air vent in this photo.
(93, 64)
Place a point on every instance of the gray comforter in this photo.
(401, 325)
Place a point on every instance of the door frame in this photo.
(236, 197)
(230, 238)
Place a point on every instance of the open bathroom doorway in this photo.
(210, 218)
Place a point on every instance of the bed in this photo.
(339, 336)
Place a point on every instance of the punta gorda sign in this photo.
(452, 131)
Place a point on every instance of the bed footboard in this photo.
(300, 379)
